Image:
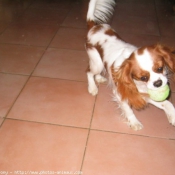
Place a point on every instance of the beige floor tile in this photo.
(165, 12)
(10, 10)
(136, 25)
(54, 5)
(26, 34)
(139, 9)
(136, 1)
(139, 39)
(11, 85)
(76, 18)
(64, 64)
(54, 101)
(20, 59)
(167, 28)
(69, 38)
(168, 41)
(39, 147)
(43, 16)
(3, 26)
(109, 153)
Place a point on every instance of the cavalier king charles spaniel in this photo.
(131, 70)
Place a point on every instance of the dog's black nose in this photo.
(158, 83)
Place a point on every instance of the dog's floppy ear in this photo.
(168, 56)
(126, 87)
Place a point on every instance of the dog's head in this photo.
(148, 65)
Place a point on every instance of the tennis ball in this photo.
(159, 94)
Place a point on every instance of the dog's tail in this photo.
(99, 12)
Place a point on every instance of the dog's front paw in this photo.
(100, 79)
(170, 112)
(93, 91)
(135, 125)
(171, 119)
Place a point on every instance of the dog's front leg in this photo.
(167, 107)
(133, 122)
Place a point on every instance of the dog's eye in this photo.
(144, 78)
(160, 69)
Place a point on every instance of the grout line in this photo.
(62, 79)
(11, 73)
(46, 123)
(23, 45)
(138, 135)
(89, 130)
(72, 27)
(59, 48)
(43, 47)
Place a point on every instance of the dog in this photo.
(131, 70)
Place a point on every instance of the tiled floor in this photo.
(48, 122)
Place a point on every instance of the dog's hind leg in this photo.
(94, 71)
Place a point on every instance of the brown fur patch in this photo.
(90, 24)
(141, 50)
(97, 46)
(88, 45)
(100, 50)
(162, 55)
(111, 32)
(106, 65)
(88, 69)
(96, 29)
(125, 85)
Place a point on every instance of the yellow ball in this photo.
(159, 94)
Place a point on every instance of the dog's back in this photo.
(103, 45)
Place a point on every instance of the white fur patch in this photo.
(146, 63)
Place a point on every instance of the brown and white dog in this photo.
(131, 70)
